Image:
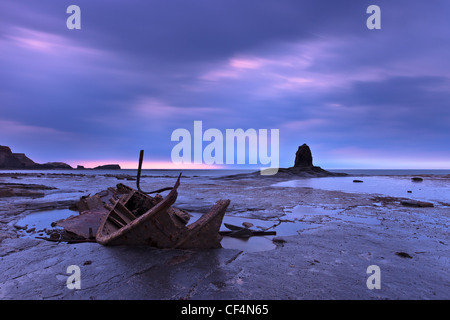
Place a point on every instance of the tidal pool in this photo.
(41, 220)
(282, 227)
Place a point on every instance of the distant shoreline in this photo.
(224, 172)
(394, 171)
(390, 171)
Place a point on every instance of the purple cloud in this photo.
(137, 71)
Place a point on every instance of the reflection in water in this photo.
(431, 189)
(42, 220)
(285, 227)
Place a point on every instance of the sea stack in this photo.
(303, 157)
(303, 168)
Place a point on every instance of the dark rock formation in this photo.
(306, 172)
(415, 203)
(303, 168)
(55, 165)
(303, 157)
(108, 167)
(10, 160)
(24, 160)
(22, 190)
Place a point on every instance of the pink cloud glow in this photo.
(47, 43)
(155, 108)
(126, 164)
(219, 74)
(13, 127)
(308, 124)
(291, 70)
(251, 63)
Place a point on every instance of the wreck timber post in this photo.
(138, 178)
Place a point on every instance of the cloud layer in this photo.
(138, 70)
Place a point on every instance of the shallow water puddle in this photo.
(40, 220)
(252, 244)
(300, 211)
(258, 243)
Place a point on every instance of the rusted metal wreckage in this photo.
(138, 219)
(133, 217)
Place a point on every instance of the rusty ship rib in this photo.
(139, 219)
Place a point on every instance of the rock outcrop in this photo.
(303, 168)
(303, 157)
(55, 165)
(10, 160)
(23, 190)
(108, 167)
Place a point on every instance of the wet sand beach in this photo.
(326, 240)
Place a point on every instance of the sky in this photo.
(138, 70)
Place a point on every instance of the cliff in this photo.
(10, 160)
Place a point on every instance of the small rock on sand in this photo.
(403, 255)
(247, 224)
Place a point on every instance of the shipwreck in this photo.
(139, 219)
(126, 216)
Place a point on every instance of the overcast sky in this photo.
(138, 70)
